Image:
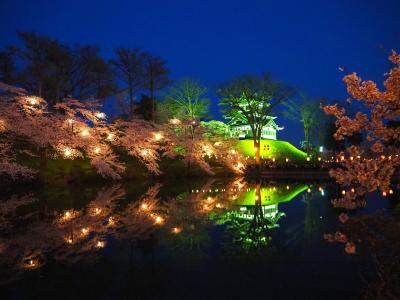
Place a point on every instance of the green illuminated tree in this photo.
(251, 100)
(187, 100)
(215, 127)
(308, 112)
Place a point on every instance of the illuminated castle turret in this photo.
(242, 130)
(239, 128)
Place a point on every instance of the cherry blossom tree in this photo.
(373, 165)
(199, 147)
(75, 129)
(72, 129)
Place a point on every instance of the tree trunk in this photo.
(257, 151)
(256, 143)
(40, 88)
(307, 139)
(152, 99)
(131, 101)
(258, 194)
(43, 162)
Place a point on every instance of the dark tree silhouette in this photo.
(7, 67)
(53, 71)
(92, 75)
(40, 57)
(146, 107)
(309, 113)
(155, 77)
(129, 68)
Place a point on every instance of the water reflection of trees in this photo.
(376, 238)
(31, 234)
(72, 234)
(251, 234)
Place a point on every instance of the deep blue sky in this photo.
(299, 42)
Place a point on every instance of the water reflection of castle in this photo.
(267, 198)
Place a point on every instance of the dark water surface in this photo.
(217, 239)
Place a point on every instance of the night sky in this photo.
(301, 43)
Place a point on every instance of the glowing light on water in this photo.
(158, 220)
(100, 244)
(176, 230)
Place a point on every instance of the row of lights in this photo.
(384, 193)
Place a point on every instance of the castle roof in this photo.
(270, 123)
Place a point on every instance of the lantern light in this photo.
(175, 121)
(85, 132)
(32, 100)
(158, 136)
(67, 152)
(100, 115)
(110, 136)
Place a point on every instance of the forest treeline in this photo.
(133, 78)
(52, 70)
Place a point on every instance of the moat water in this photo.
(211, 239)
